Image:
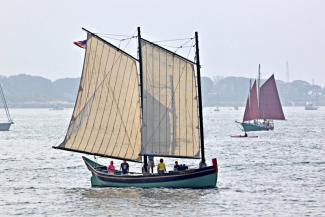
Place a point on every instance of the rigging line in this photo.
(118, 39)
(124, 39)
(170, 46)
(184, 44)
(170, 40)
(120, 35)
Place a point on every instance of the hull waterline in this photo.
(196, 178)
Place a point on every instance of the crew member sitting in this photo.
(124, 167)
(176, 166)
(111, 168)
(161, 168)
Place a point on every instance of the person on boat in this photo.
(161, 168)
(176, 166)
(245, 135)
(202, 164)
(124, 167)
(151, 164)
(111, 168)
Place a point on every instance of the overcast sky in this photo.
(235, 36)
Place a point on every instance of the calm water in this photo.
(280, 173)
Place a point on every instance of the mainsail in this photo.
(251, 109)
(170, 105)
(106, 118)
(269, 101)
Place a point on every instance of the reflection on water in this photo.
(279, 173)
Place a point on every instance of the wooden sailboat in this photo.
(5, 126)
(121, 114)
(262, 106)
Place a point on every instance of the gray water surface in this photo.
(280, 173)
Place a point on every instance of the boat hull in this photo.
(197, 178)
(248, 127)
(5, 126)
(312, 108)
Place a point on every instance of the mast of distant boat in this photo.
(5, 104)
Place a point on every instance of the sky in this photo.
(235, 36)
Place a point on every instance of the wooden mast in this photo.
(145, 160)
(198, 66)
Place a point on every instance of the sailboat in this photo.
(5, 126)
(122, 114)
(310, 106)
(262, 106)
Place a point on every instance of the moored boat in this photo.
(119, 116)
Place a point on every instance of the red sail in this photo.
(269, 101)
(251, 110)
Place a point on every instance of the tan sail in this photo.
(170, 107)
(106, 118)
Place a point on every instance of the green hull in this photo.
(208, 181)
(248, 127)
(199, 178)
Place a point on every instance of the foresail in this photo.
(170, 105)
(251, 109)
(106, 117)
(269, 101)
(247, 111)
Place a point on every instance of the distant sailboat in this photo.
(262, 106)
(310, 106)
(121, 114)
(5, 126)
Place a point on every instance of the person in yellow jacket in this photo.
(161, 168)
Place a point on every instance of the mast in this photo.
(258, 85)
(287, 72)
(198, 66)
(5, 104)
(145, 161)
(250, 86)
